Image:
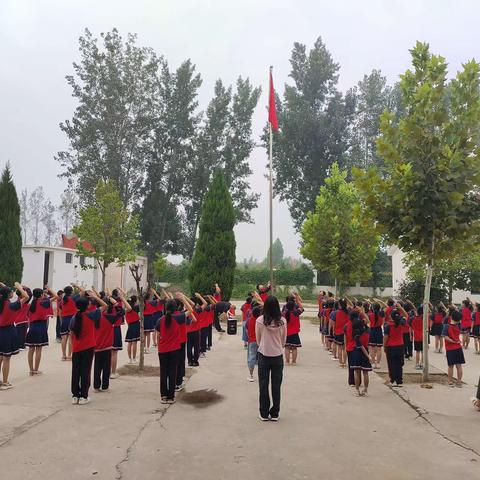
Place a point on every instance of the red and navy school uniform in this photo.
(341, 319)
(193, 336)
(104, 332)
(83, 348)
(293, 327)
(437, 324)
(9, 343)
(416, 324)
(349, 348)
(183, 336)
(395, 350)
(133, 325)
(210, 316)
(466, 324)
(245, 308)
(476, 325)
(37, 334)
(376, 328)
(453, 349)
(150, 315)
(21, 323)
(116, 314)
(69, 309)
(360, 360)
(168, 352)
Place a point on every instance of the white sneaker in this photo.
(83, 401)
(130, 361)
(114, 375)
(74, 400)
(263, 419)
(274, 419)
(250, 378)
(6, 386)
(179, 388)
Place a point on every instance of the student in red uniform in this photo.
(476, 328)
(453, 347)
(218, 293)
(57, 313)
(252, 350)
(133, 330)
(360, 358)
(68, 310)
(150, 316)
(82, 329)
(437, 326)
(245, 308)
(169, 346)
(264, 290)
(21, 319)
(341, 319)
(394, 347)
(182, 338)
(466, 324)
(115, 309)
(8, 334)
(37, 335)
(292, 311)
(376, 318)
(193, 331)
(416, 323)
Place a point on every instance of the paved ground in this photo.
(324, 431)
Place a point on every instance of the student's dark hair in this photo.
(366, 307)
(358, 327)
(376, 311)
(170, 309)
(354, 315)
(271, 311)
(4, 296)
(290, 298)
(390, 302)
(396, 317)
(37, 293)
(67, 292)
(248, 300)
(456, 316)
(419, 310)
(342, 304)
(289, 309)
(336, 305)
(441, 309)
(77, 323)
(477, 305)
(60, 293)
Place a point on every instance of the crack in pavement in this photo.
(28, 425)
(421, 413)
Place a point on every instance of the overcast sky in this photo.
(224, 38)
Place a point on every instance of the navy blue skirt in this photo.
(340, 339)
(65, 325)
(37, 335)
(455, 357)
(476, 331)
(133, 332)
(117, 338)
(376, 337)
(436, 329)
(359, 361)
(149, 323)
(293, 341)
(9, 342)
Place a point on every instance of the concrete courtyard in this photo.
(213, 431)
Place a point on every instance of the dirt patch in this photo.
(416, 378)
(149, 371)
(200, 398)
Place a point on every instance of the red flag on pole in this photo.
(272, 111)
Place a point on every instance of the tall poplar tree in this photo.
(214, 257)
(11, 261)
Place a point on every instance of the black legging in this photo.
(168, 373)
(181, 365)
(101, 369)
(395, 361)
(81, 369)
(193, 347)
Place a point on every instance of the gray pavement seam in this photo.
(25, 427)
(422, 414)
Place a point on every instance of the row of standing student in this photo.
(395, 327)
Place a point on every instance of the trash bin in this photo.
(232, 326)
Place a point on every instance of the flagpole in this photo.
(271, 201)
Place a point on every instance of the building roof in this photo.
(73, 241)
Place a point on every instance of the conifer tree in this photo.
(11, 262)
(214, 257)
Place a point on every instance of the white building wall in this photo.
(33, 259)
(399, 272)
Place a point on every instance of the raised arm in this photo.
(128, 307)
(23, 294)
(204, 302)
(103, 305)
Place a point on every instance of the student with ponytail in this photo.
(82, 328)
(8, 334)
(292, 311)
(21, 319)
(376, 318)
(68, 310)
(133, 328)
(394, 346)
(169, 342)
(37, 336)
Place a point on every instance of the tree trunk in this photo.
(426, 302)
(335, 293)
(141, 359)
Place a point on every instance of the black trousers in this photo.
(209, 337)
(203, 339)
(81, 370)
(181, 364)
(478, 390)
(351, 372)
(216, 322)
(395, 360)
(21, 329)
(270, 368)
(101, 369)
(168, 373)
(58, 327)
(193, 347)
(408, 345)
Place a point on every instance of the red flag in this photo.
(272, 111)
